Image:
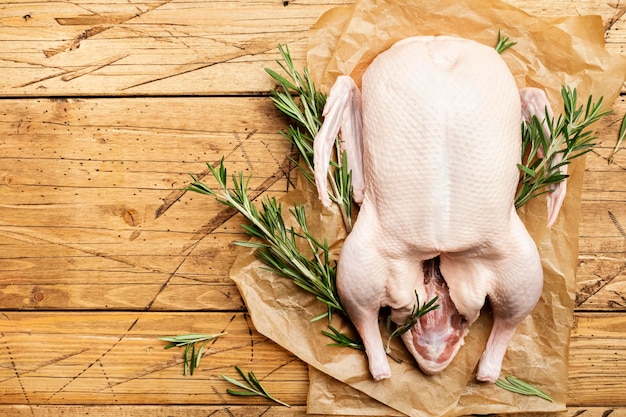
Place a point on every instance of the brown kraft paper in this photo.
(549, 53)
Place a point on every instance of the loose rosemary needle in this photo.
(503, 43)
(417, 312)
(192, 355)
(342, 340)
(518, 386)
(620, 139)
(251, 386)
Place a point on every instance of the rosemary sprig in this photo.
(518, 386)
(342, 340)
(620, 139)
(542, 156)
(307, 112)
(192, 355)
(415, 315)
(503, 43)
(311, 270)
(251, 386)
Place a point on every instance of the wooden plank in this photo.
(156, 411)
(597, 352)
(116, 358)
(93, 215)
(108, 358)
(138, 47)
(601, 275)
(230, 411)
(55, 48)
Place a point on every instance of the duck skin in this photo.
(433, 141)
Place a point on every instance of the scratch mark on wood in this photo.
(288, 169)
(69, 75)
(617, 224)
(180, 70)
(279, 367)
(97, 360)
(17, 373)
(222, 399)
(227, 213)
(250, 335)
(145, 372)
(95, 18)
(232, 319)
(616, 304)
(174, 361)
(47, 363)
(75, 43)
(106, 377)
(199, 65)
(588, 291)
(244, 153)
(607, 413)
(132, 324)
(164, 285)
(20, 236)
(175, 196)
(212, 413)
(92, 68)
(619, 12)
(55, 75)
(267, 409)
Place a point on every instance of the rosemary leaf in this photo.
(191, 356)
(307, 112)
(503, 43)
(278, 247)
(415, 315)
(570, 139)
(620, 139)
(518, 386)
(342, 340)
(251, 386)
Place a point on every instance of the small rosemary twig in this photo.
(415, 315)
(307, 112)
(278, 249)
(503, 43)
(620, 139)
(252, 386)
(569, 138)
(192, 356)
(342, 340)
(518, 386)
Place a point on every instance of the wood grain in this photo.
(99, 358)
(227, 411)
(106, 107)
(93, 216)
(126, 48)
(116, 358)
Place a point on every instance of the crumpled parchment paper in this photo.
(549, 53)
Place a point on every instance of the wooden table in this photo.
(106, 107)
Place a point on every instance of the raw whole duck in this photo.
(433, 140)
